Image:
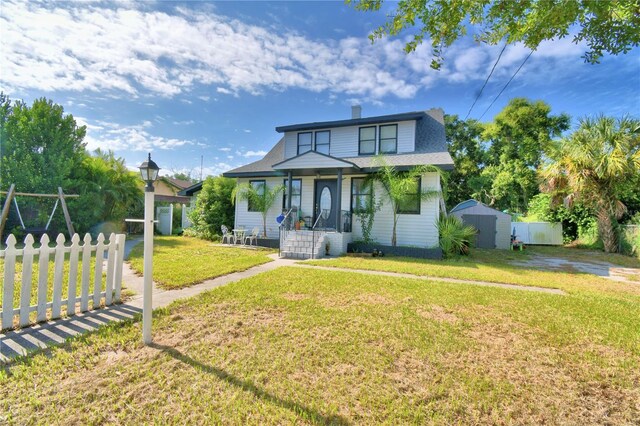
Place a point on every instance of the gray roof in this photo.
(431, 145)
(352, 122)
(276, 155)
(465, 205)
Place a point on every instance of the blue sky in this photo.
(191, 79)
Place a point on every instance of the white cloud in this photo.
(184, 123)
(225, 149)
(254, 154)
(113, 136)
(247, 131)
(131, 50)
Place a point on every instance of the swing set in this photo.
(35, 230)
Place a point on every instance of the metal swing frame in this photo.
(60, 199)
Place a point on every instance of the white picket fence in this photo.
(79, 267)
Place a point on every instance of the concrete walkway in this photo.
(23, 341)
(434, 278)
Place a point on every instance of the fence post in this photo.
(58, 269)
(43, 277)
(97, 278)
(86, 273)
(117, 284)
(9, 276)
(27, 271)
(108, 295)
(73, 274)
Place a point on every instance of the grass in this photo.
(495, 266)
(183, 261)
(314, 346)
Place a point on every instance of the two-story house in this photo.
(323, 166)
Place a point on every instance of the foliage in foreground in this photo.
(455, 236)
(306, 346)
(183, 261)
(607, 27)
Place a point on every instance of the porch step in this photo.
(303, 245)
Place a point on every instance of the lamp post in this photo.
(149, 172)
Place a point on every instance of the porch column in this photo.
(289, 189)
(339, 202)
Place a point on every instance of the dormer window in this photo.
(304, 142)
(388, 139)
(323, 141)
(367, 141)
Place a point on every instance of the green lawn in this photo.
(183, 261)
(495, 266)
(314, 346)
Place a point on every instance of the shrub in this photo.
(455, 236)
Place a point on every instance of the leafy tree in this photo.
(185, 176)
(260, 197)
(591, 165)
(518, 139)
(108, 190)
(607, 27)
(577, 220)
(465, 143)
(397, 184)
(41, 147)
(214, 207)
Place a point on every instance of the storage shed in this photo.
(494, 226)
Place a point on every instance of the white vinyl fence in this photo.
(543, 233)
(79, 261)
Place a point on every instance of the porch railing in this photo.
(313, 238)
(345, 221)
(286, 226)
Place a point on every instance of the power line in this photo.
(505, 86)
(486, 81)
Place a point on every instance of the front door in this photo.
(325, 203)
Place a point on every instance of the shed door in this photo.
(486, 226)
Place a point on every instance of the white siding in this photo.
(344, 140)
(311, 160)
(413, 229)
(249, 220)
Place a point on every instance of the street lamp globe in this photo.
(149, 172)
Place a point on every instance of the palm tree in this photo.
(261, 198)
(398, 184)
(590, 166)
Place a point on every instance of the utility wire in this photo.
(486, 81)
(505, 86)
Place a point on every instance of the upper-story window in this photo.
(367, 140)
(304, 142)
(323, 141)
(388, 139)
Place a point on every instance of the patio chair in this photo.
(226, 235)
(253, 237)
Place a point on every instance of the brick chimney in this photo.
(356, 111)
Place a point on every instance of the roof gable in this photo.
(312, 159)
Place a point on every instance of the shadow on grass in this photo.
(314, 415)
